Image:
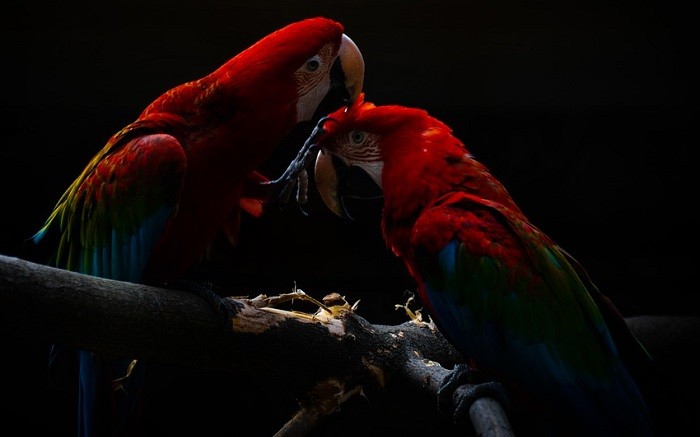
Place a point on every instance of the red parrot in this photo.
(518, 307)
(151, 201)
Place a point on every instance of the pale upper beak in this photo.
(353, 65)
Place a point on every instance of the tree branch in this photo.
(326, 358)
(117, 319)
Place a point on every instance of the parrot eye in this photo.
(357, 136)
(313, 64)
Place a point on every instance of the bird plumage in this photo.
(501, 291)
(151, 201)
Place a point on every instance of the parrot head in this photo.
(390, 143)
(322, 65)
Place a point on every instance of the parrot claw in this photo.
(227, 308)
(459, 402)
(296, 176)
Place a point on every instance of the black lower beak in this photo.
(345, 188)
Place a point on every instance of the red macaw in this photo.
(149, 203)
(516, 305)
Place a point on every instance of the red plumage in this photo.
(500, 290)
(151, 201)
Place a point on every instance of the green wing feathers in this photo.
(504, 293)
(109, 219)
(510, 274)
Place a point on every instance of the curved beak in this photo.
(338, 181)
(353, 66)
(326, 176)
(347, 79)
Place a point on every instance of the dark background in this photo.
(582, 109)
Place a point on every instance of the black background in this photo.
(582, 109)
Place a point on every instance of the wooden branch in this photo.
(351, 357)
(326, 357)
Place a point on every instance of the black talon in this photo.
(460, 401)
(282, 187)
(225, 307)
(461, 374)
(465, 398)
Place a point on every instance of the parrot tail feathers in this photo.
(106, 407)
(90, 367)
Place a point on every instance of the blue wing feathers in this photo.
(116, 255)
(87, 395)
(552, 338)
(107, 227)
